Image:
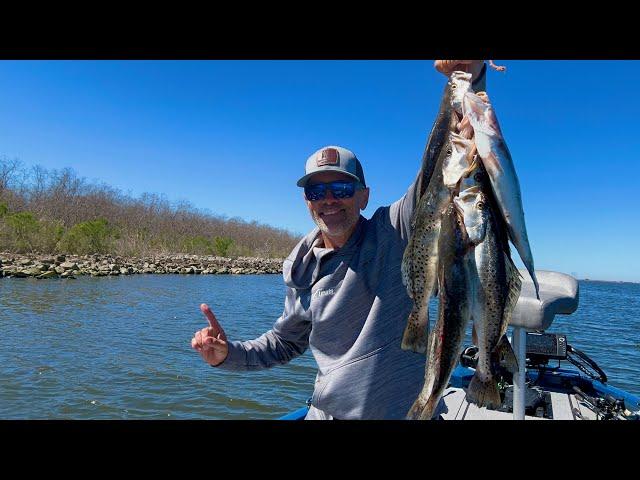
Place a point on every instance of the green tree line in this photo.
(57, 212)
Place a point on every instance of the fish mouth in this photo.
(480, 114)
(459, 75)
(460, 84)
(468, 192)
(473, 103)
(460, 141)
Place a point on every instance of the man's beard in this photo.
(337, 230)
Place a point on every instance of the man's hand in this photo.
(211, 341)
(447, 67)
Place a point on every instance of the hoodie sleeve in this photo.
(288, 339)
(401, 211)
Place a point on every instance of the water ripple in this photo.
(119, 347)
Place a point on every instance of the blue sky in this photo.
(232, 137)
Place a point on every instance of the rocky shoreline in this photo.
(70, 266)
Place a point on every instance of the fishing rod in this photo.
(609, 408)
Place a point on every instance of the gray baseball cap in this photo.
(333, 159)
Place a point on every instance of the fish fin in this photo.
(416, 333)
(406, 267)
(514, 286)
(483, 394)
(503, 355)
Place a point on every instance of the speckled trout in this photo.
(445, 152)
(446, 338)
(494, 285)
(499, 165)
(419, 263)
(450, 105)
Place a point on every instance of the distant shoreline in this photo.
(607, 281)
(42, 266)
(13, 265)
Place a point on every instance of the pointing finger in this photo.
(210, 317)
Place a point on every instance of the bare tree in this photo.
(149, 224)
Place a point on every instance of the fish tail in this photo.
(416, 333)
(423, 409)
(503, 354)
(528, 263)
(483, 394)
(416, 409)
(535, 282)
(430, 408)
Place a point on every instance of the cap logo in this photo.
(328, 156)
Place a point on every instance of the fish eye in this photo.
(454, 85)
(449, 151)
(480, 205)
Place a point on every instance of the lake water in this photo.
(119, 347)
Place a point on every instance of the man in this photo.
(345, 298)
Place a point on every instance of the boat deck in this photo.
(565, 406)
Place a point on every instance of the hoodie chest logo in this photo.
(322, 293)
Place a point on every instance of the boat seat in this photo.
(558, 296)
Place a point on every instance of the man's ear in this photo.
(364, 198)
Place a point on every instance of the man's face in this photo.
(336, 217)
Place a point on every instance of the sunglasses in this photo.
(339, 190)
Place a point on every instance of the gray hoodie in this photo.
(350, 307)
